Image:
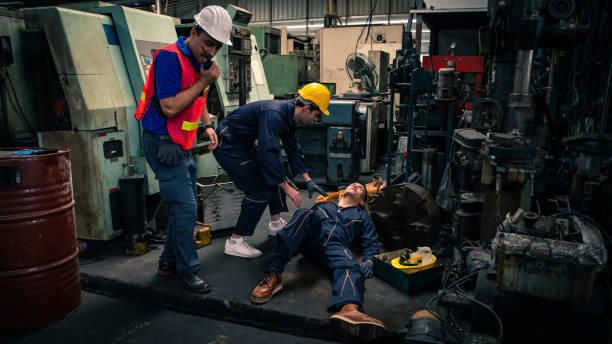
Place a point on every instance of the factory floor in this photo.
(299, 309)
(105, 320)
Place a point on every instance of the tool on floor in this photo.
(412, 262)
(202, 234)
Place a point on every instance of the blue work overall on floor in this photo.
(324, 234)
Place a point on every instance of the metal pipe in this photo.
(409, 130)
(426, 137)
(551, 75)
(606, 108)
(390, 134)
(242, 81)
(522, 71)
(449, 130)
(346, 14)
(329, 7)
(428, 155)
(12, 3)
(157, 6)
(419, 34)
(270, 15)
(307, 15)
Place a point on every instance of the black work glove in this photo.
(170, 154)
(367, 268)
(313, 187)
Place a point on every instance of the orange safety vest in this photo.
(182, 128)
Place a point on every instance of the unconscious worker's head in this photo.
(212, 29)
(355, 193)
(311, 103)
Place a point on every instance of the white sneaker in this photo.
(240, 248)
(275, 226)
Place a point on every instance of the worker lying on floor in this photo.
(325, 233)
(256, 168)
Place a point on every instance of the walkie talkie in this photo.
(207, 64)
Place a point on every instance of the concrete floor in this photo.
(300, 308)
(106, 320)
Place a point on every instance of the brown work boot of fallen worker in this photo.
(349, 320)
(270, 284)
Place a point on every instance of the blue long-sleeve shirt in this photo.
(346, 225)
(265, 122)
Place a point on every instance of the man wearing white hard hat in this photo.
(171, 107)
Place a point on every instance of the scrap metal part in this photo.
(406, 215)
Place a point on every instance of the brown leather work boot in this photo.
(270, 284)
(349, 320)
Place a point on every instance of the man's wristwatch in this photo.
(209, 126)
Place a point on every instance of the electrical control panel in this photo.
(239, 51)
(233, 71)
(240, 66)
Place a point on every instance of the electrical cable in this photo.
(368, 23)
(501, 326)
(445, 290)
(20, 111)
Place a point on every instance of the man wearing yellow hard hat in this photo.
(256, 168)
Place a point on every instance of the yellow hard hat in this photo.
(318, 94)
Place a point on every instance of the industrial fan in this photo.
(358, 66)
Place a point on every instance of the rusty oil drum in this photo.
(39, 270)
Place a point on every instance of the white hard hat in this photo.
(216, 22)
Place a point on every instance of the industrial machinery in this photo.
(406, 216)
(507, 176)
(362, 71)
(531, 133)
(368, 74)
(337, 43)
(344, 144)
(100, 57)
(285, 72)
(268, 39)
(242, 77)
(102, 54)
(409, 80)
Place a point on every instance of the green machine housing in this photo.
(101, 55)
(288, 72)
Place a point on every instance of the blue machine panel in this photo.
(339, 155)
(340, 112)
(111, 34)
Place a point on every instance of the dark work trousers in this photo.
(302, 234)
(240, 163)
(177, 186)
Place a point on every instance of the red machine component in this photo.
(463, 64)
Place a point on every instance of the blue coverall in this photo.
(324, 234)
(256, 168)
(177, 184)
